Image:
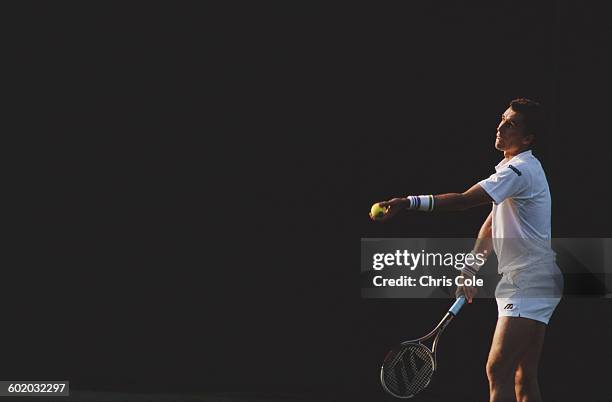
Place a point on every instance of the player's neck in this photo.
(511, 154)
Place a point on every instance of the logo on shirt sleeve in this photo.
(515, 170)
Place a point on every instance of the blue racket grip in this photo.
(454, 310)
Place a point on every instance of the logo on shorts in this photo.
(509, 306)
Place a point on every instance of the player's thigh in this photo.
(515, 340)
(528, 362)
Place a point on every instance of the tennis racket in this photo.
(408, 369)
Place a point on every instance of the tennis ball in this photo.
(377, 211)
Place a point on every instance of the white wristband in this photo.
(421, 202)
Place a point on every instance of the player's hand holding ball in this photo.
(377, 212)
(381, 211)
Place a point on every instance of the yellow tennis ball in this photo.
(377, 211)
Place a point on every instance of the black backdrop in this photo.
(193, 181)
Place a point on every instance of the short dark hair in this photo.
(532, 114)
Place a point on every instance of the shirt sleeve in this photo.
(507, 183)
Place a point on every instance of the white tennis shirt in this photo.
(521, 213)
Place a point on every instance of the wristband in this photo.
(421, 202)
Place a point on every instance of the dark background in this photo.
(192, 181)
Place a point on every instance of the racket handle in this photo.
(454, 310)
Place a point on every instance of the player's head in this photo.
(519, 126)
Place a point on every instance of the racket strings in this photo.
(408, 370)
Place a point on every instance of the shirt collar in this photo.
(522, 155)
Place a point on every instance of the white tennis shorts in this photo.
(532, 292)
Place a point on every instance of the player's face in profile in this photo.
(510, 132)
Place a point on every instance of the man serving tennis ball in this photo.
(518, 230)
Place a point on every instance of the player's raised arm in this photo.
(473, 197)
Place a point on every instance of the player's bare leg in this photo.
(526, 384)
(514, 342)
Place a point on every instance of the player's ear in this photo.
(528, 139)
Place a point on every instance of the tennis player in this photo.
(518, 231)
